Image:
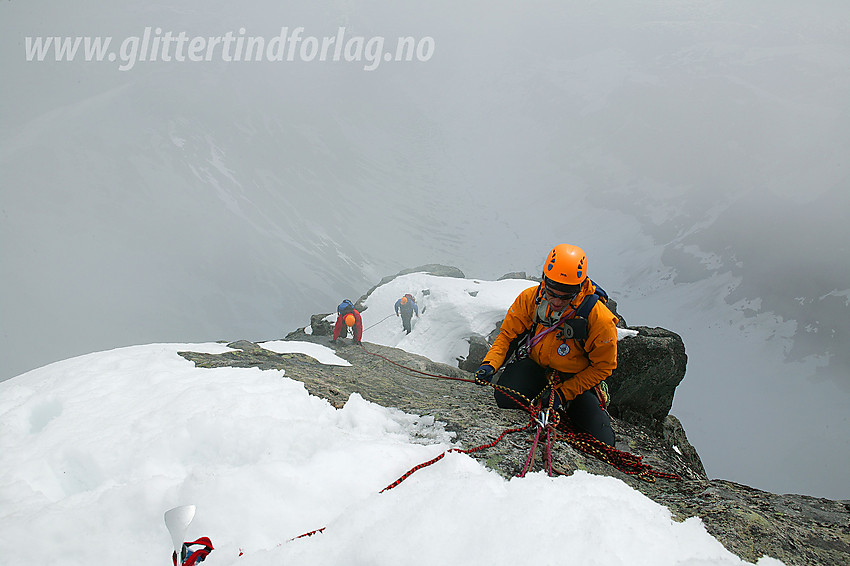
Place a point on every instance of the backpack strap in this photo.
(600, 291)
(587, 305)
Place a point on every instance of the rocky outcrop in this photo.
(798, 530)
(478, 348)
(321, 327)
(673, 434)
(649, 368)
(514, 275)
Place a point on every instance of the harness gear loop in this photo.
(601, 391)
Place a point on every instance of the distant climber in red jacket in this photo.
(348, 318)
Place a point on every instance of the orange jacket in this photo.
(590, 364)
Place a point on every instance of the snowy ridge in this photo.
(451, 309)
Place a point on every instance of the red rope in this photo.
(626, 462)
(412, 470)
(530, 459)
(411, 370)
(311, 533)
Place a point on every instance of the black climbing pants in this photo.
(405, 321)
(528, 379)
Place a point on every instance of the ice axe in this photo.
(177, 520)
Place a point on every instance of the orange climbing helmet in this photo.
(404, 300)
(565, 268)
(349, 320)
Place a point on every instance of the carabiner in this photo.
(543, 419)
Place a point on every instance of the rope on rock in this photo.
(630, 464)
(554, 427)
(546, 421)
(415, 371)
(411, 471)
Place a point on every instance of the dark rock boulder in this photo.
(612, 306)
(319, 326)
(514, 275)
(478, 348)
(674, 436)
(649, 368)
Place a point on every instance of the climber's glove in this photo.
(484, 374)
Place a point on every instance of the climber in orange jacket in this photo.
(555, 346)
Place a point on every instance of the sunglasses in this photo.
(558, 296)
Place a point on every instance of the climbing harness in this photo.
(571, 323)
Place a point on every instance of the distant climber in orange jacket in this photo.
(576, 365)
(407, 307)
